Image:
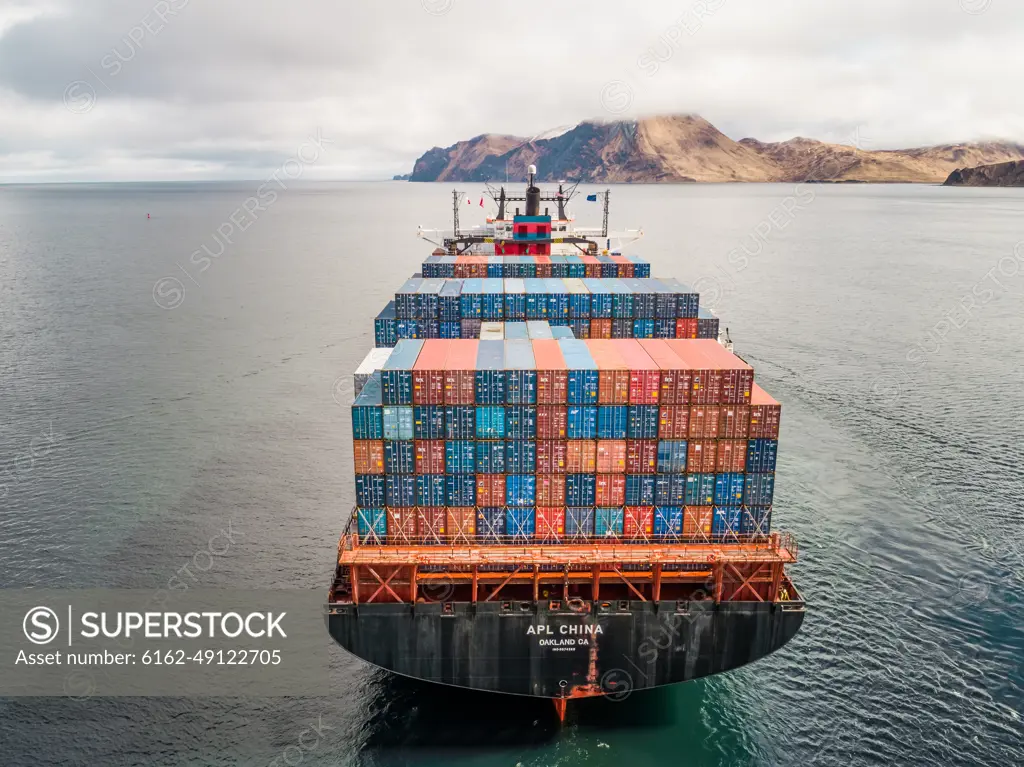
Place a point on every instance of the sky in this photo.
(233, 89)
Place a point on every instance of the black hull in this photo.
(523, 648)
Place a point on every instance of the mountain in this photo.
(688, 148)
(1001, 174)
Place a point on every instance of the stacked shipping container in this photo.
(591, 307)
(560, 440)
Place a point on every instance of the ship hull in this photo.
(546, 650)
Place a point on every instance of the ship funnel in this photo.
(532, 194)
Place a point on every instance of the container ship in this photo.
(563, 474)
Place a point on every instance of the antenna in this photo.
(456, 200)
(604, 228)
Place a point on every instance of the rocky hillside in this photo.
(1000, 174)
(689, 148)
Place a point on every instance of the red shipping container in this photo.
(613, 373)
(673, 422)
(765, 414)
(600, 328)
(430, 523)
(700, 456)
(461, 524)
(581, 456)
(592, 267)
(552, 421)
(543, 270)
(644, 372)
(704, 421)
(552, 456)
(460, 372)
(490, 489)
(401, 526)
(641, 456)
(686, 327)
(675, 379)
(611, 490)
(551, 490)
(369, 456)
(705, 379)
(429, 456)
(737, 375)
(428, 374)
(697, 521)
(638, 521)
(734, 422)
(611, 456)
(550, 523)
(552, 374)
(731, 455)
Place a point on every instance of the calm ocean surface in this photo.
(889, 320)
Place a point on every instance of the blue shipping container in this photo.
(643, 422)
(612, 422)
(580, 489)
(520, 456)
(451, 329)
(756, 520)
(460, 489)
(398, 422)
(373, 525)
(520, 489)
(428, 422)
(520, 523)
(700, 489)
(430, 490)
(670, 489)
(396, 374)
(608, 522)
(490, 456)
(521, 422)
(671, 456)
(490, 523)
(668, 521)
(490, 422)
(579, 522)
(726, 521)
(729, 489)
(400, 490)
(759, 489)
(459, 458)
(399, 457)
(582, 422)
(643, 329)
(762, 455)
(460, 422)
(639, 489)
(370, 490)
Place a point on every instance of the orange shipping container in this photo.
(461, 523)
(369, 455)
(638, 521)
(611, 456)
(490, 489)
(550, 522)
(697, 521)
(641, 456)
(429, 456)
(601, 328)
(581, 456)
(610, 490)
(673, 422)
(401, 526)
(700, 456)
(613, 373)
(675, 378)
(552, 456)
(731, 455)
(460, 373)
(765, 414)
(552, 374)
(550, 490)
(704, 421)
(552, 421)
(428, 374)
(734, 422)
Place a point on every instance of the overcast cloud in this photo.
(140, 89)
